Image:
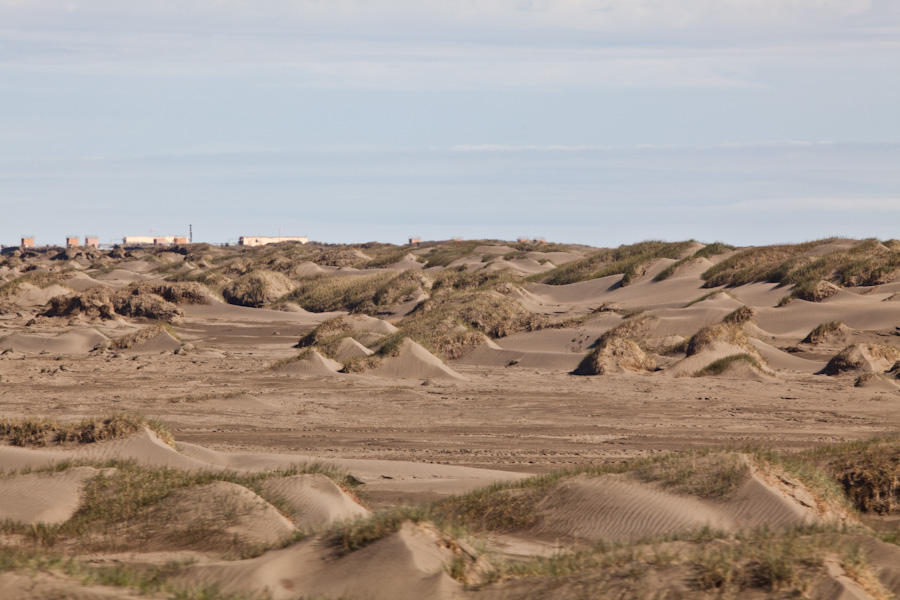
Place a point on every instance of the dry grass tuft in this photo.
(721, 365)
(41, 432)
(823, 332)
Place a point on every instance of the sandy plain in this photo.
(412, 428)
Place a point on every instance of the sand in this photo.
(415, 362)
(417, 428)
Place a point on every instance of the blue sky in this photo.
(589, 121)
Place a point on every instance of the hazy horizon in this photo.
(598, 122)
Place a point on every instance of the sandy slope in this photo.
(414, 362)
(48, 498)
(618, 508)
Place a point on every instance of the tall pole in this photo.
(191, 234)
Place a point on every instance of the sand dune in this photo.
(29, 295)
(414, 362)
(367, 323)
(780, 360)
(49, 586)
(490, 354)
(143, 447)
(48, 498)
(78, 341)
(231, 511)
(349, 348)
(314, 365)
(408, 564)
(315, 500)
(508, 404)
(617, 508)
(161, 342)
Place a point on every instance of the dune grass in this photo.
(628, 261)
(864, 263)
(41, 279)
(142, 579)
(42, 432)
(353, 293)
(117, 500)
(721, 365)
(707, 296)
(821, 331)
(444, 254)
(707, 251)
(142, 335)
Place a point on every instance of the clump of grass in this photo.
(720, 332)
(495, 508)
(713, 249)
(142, 335)
(739, 316)
(325, 330)
(257, 288)
(845, 359)
(615, 352)
(721, 365)
(707, 475)
(41, 432)
(822, 332)
(870, 477)
(349, 536)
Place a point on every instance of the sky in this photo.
(598, 122)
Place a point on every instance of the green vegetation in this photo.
(354, 293)
(821, 332)
(142, 579)
(705, 252)
(720, 366)
(865, 263)
(41, 279)
(628, 261)
(41, 432)
(453, 324)
(124, 498)
(443, 255)
(142, 335)
(713, 249)
(728, 333)
(702, 474)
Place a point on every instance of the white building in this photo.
(262, 240)
(153, 240)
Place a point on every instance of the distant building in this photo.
(262, 240)
(153, 240)
(523, 240)
(415, 240)
(72, 241)
(92, 241)
(28, 242)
